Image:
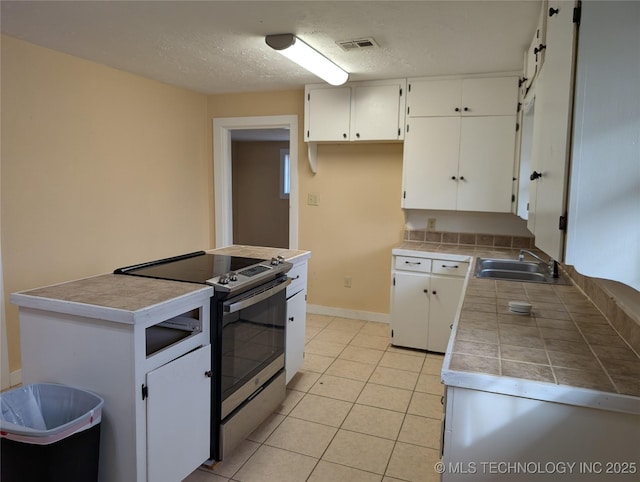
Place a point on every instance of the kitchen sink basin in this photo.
(514, 270)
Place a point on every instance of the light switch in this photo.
(313, 199)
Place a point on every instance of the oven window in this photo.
(251, 339)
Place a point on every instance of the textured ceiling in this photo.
(218, 46)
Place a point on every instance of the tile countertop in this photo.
(565, 352)
(118, 298)
(292, 255)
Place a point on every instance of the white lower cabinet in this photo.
(296, 319)
(425, 294)
(177, 439)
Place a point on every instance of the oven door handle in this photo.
(256, 298)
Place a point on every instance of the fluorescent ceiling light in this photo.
(296, 50)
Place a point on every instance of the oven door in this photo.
(253, 341)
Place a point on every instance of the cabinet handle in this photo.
(539, 49)
(344, 136)
(457, 109)
(450, 267)
(412, 262)
(208, 374)
(451, 327)
(535, 175)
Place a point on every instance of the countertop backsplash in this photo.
(469, 239)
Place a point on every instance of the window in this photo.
(285, 174)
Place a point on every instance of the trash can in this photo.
(48, 433)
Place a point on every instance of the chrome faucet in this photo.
(552, 264)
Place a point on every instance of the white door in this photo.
(410, 310)
(434, 98)
(374, 112)
(485, 172)
(329, 112)
(296, 317)
(430, 168)
(552, 124)
(490, 96)
(178, 416)
(444, 298)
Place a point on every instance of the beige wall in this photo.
(359, 220)
(100, 168)
(260, 214)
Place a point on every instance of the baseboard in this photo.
(15, 378)
(345, 313)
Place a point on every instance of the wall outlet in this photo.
(431, 224)
(347, 281)
(313, 199)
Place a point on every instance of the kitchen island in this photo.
(525, 396)
(143, 345)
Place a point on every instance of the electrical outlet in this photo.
(313, 199)
(347, 281)
(431, 224)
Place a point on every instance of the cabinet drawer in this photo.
(298, 275)
(454, 268)
(409, 263)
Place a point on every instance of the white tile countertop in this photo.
(566, 351)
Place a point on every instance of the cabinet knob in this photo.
(466, 109)
(553, 11)
(208, 374)
(457, 109)
(434, 292)
(535, 175)
(453, 177)
(426, 291)
(462, 178)
(344, 136)
(539, 49)
(291, 318)
(358, 135)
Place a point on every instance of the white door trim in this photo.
(223, 209)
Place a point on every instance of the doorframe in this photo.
(222, 171)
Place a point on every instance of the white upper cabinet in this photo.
(462, 97)
(603, 233)
(551, 132)
(537, 48)
(460, 159)
(327, 113)
(363, 111)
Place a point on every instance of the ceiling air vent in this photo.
(356, 44)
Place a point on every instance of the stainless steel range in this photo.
(248, 320)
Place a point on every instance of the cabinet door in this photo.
(434, 98)
(552, 124)
(487, 147)
(178, 416)
(430, 169)
(490, 96)
(444, 297)
(296, 319)
(328, 114)
(375, 112)
(410, 310)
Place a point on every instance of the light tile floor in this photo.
(360, 410)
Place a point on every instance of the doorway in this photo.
(237, 130)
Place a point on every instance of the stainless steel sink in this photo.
(514, 270)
